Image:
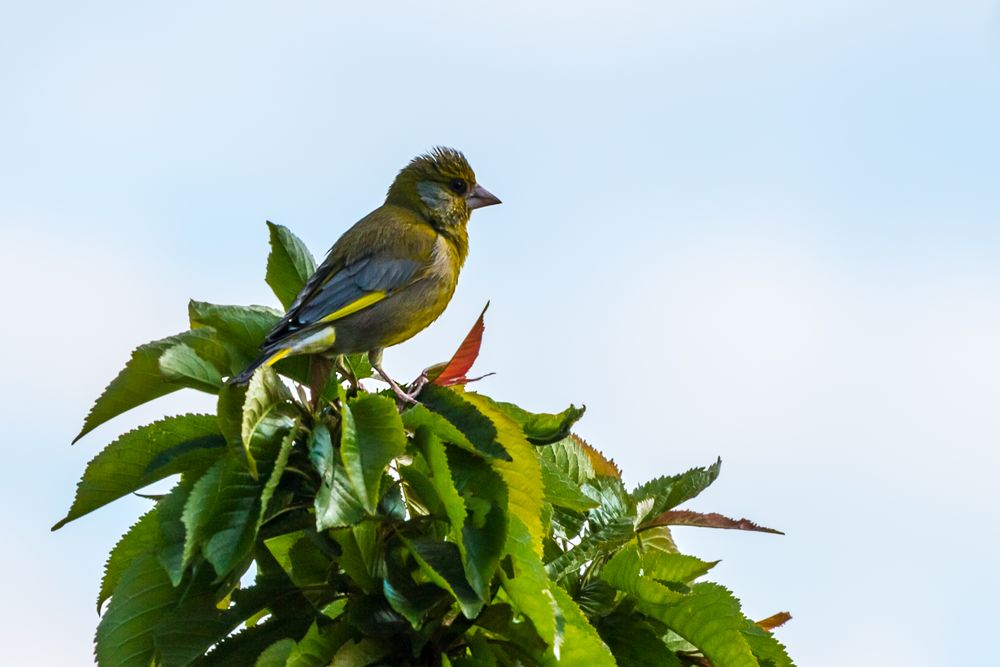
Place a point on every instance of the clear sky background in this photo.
(767, 231)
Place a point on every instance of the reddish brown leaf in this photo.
(705, 520)
(775, 621)
(454, 372)
(602, 464)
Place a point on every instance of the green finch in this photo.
(391, 274)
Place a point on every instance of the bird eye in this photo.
(458, 186)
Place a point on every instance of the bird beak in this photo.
(480, 197)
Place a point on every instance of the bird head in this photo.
(441, 186)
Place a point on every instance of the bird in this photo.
(390, 275)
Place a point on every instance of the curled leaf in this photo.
(705, 520)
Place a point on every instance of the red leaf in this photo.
(705, 520)
(775, 621)
(461, 362)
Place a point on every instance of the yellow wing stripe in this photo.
(355, 306)
(278, 356)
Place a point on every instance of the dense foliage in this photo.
(330, 527)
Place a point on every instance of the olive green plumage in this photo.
(391, 274)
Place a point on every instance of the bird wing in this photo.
(333, 293)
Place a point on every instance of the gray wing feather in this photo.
(350, 283)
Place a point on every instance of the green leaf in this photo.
(141, 380)
(264, 413)
(475, 428)
(768, 650)
(336, 503)
(181, 364)
(562, 490)
(223, 513)
(529, 589)
(441, 480)
(542, 428)
(289, 264)
(670, 491)
(442, 563)
(673, 567)
(170, 513)
(141, 539)
(371, 436)
(241, 329)
(149, 617)
(624, 572)
(609, 525)
(276, 655)
(569, 459)
(634, 642)
(581, 645)
(408, 598)
(143, 456)
(708, 617)
(319, 645)
(277, 470)
(484, 529)
(522, 473)
(143, 597)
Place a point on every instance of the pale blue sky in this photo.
(768, 231)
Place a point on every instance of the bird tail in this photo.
(269, 358)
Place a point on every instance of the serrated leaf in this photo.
(634, 642)
(483, 532)
(670, 491)
(602, 465)
(457, 414)
(609, 525)
(569, 458)
(441, 562)
(181, 364)
(454, 370)
(582, 644)
(408, 598)
(705, 520)
(678, 568)
(172, 536)
(562, 490)
(141, 539)
(240, 328)
(522, 473)
(530, 589)
(440, 479)
(143, 597)
(263, 412)
(223, 511)
(143, 456)
(371, 436)
(336, 503)
(277, 470)
(141, 380)
(708, 617)
(289, 264)
(766, 648)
